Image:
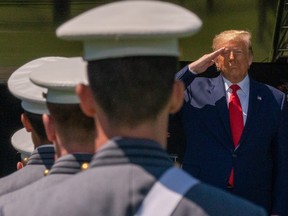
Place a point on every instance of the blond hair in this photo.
(233, 35)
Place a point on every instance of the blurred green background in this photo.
(27, 28)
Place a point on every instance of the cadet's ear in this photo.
(49, 127)
(20, 165)
(177, 96)
(87, 102)
(26, 123)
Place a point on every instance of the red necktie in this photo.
(236, 121)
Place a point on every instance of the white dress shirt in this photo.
(243, 94)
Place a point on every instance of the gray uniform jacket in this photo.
(62, 169)
(42, 158)
(120, 176)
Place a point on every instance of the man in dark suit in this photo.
(131, 69)
(244, 149)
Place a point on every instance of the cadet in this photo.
(22, 142)
(33, 104)
(131, 49)
(70, 130)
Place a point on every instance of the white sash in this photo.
(166, 193)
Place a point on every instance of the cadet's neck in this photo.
(153, 130)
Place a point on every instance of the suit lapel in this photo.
(218, 93)
(255, 100)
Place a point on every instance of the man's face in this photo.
(235, 61)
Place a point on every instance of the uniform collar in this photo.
(71, 164)
(43, 155)
(131, 150)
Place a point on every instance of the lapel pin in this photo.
(259, 98)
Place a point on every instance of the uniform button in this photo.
(234, 155)
(84, 166)
(46, 172)
(25, 160)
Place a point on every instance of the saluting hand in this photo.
(207, 60)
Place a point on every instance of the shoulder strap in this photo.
(166, 193)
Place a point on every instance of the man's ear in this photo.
(177, 96)
(250, 59)
(49, 127)
(26, 123)
(87, 102)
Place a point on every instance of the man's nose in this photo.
(231, 55)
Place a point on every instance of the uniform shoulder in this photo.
(218, 202)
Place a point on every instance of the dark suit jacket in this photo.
(261, 160)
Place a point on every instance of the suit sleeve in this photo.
(280, 198)
(185, 75)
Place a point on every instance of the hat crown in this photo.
(132, 19)
(130, 28)
(60, 78)
(21, 87)
(21, 140)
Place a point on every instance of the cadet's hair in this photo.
(131, 90)
(37, 124)
(230, 35)
(72, 124)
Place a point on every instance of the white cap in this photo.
(22, 142)
(21, 87)
(131, 28)
(60, 78)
